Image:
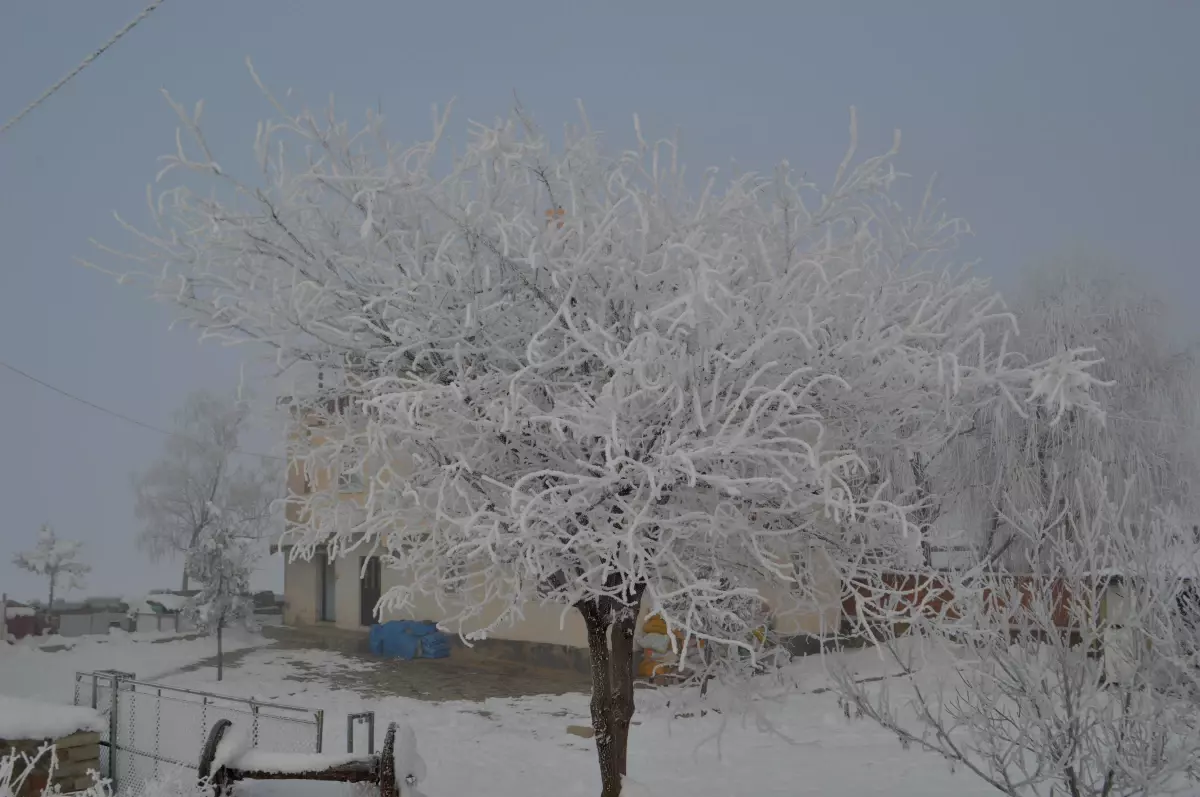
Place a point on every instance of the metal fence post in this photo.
(113, 730)
(367, 717)
(320, 713)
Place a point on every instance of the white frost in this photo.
(32, 719)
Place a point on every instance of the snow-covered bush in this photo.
(17, 768)
(1078, 677)
(568, 379)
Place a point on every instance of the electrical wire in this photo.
(121, 416)
(84, 64)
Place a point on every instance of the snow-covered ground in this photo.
(520, 746)
(44, 668)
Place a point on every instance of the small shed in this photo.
(159, 611)
(89, 616)
(19, 621)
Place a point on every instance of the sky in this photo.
(1050, 126)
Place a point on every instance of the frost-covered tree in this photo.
(198, 472)
(1009, 461)
(1079, 680)
(570, 380)
(223, 561)
(57, 560)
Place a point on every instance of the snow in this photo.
(19, 611)
(516, 747)
(289, 763)
(33, 719)
(170, 602)
(410, 767)
(236, 751)
(44, 668)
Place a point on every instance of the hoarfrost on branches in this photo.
(223, 562)
(568, 379)
(1079, 680)
(198, 471)
(57, 560)
(1152, 431)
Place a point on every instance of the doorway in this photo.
(370, 588)
(326, 589)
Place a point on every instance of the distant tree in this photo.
(176, 496)
(223, 561)
(1012, 462)
(57, 560)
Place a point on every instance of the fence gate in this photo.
(155, 732)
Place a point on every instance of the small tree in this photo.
(570, 381)
(1078, 678)
(178, 496)
(57, 560)
(223, 562)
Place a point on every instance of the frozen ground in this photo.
(514, 747)
(45, 668)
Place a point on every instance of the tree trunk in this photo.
(220, 653)
(621, 670)
(184, 587)
(50, 605)
(598, 621)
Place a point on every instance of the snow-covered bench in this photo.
(227, 759)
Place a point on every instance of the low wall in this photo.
(77, 754)
(934, 595)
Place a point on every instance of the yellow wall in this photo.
(300, 585)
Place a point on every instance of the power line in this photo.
(121, 416)
(82, 66)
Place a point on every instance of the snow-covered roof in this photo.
(168, 602)
(19, 611)
(33, 719)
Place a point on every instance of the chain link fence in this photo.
(155, 732)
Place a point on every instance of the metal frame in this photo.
(125, 691)
(367, 717)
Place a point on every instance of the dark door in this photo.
(370, 589)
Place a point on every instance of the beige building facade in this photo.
(342, 592)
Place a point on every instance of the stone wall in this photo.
(77, 754)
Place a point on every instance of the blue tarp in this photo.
(409, 639)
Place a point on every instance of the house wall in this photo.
(544, 624)
(300, 591)
(145, 622)
(347, 593)
(541, 624)
(73, 624)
